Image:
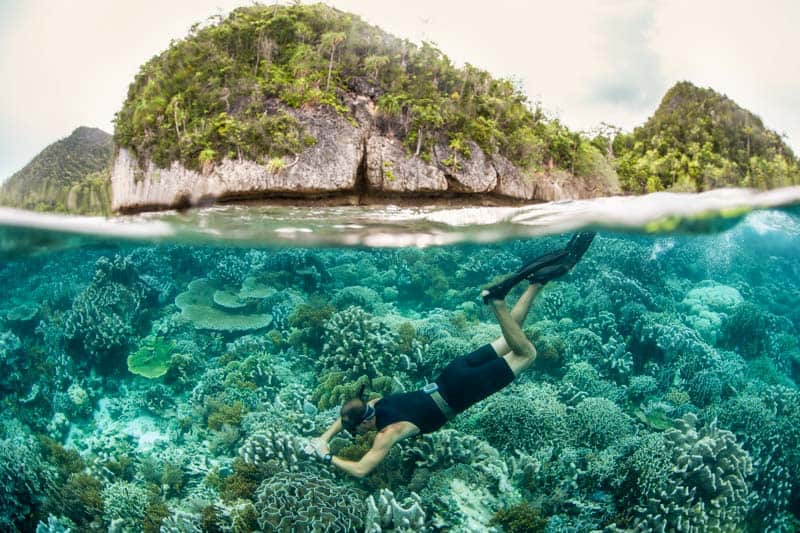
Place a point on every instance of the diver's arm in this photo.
(371, 459)
(321, 443)
(335, 428)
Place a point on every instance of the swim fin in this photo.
(498, 291)
(575, 249)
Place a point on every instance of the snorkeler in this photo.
(464, 382)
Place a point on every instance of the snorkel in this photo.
(356, 411)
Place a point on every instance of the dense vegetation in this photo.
(70, 175)
(218, 93)
(698, 140)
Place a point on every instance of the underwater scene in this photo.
(168, 385)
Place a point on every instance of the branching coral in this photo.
(599, 422)
(125, 503)
(333, 391)
(358, 344)
(109, 311)
(25, 479)
(522, 418)
(13, 363)
(706, 486)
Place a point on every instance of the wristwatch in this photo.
(327, 458)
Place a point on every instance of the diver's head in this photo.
(357, 415)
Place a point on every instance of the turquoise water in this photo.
(164, 372)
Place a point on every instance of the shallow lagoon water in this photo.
(162, 372)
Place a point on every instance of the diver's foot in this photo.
(498, 291)
(571, 254)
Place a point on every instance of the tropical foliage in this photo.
(229, 88)
(698, 140)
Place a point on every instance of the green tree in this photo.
(330, 40)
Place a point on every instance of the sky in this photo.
(68, 63)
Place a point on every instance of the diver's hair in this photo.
(352, 412)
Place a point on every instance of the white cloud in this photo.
(66, 64)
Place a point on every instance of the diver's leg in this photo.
(522, 352)
(518, 313)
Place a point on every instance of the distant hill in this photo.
(70, 175)
(699, 139)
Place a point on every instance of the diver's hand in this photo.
(317, 447)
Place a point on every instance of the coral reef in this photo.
(25, 480)
(664, 395)
(598, 423)
(448, 447)
(522, 417)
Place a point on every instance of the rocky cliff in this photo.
(351, 162)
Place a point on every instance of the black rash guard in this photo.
(415, 407)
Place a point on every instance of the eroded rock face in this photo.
(350, 158)
(472, 175)
(330, 166)
(511, 182)
(391, 170)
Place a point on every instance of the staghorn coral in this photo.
(303, 501)
(384, 511)
(706, 486)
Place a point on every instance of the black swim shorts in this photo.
(473, 377)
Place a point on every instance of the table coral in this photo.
(198, 306)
